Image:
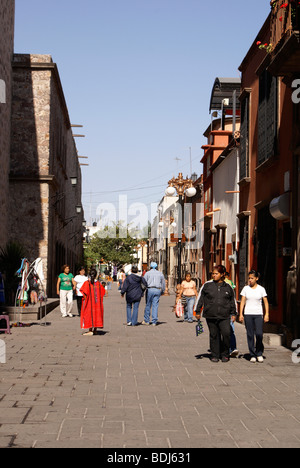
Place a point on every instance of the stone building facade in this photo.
(44, 161)
(7, 8)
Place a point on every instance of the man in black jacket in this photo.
(218, 302)
(134, 287)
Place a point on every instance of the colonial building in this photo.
(192, 260)
(45, 176)
(220, 174)
(225, 224)
(284, 61)
(163, 247)
(220, 161)
(7, 9)
(267, 177)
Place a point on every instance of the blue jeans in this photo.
(233, 344)
(132, 316)
(153, 297)
(255, 329)
(189, 309)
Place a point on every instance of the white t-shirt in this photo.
(80, 280)
(254, 296)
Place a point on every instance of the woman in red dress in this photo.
(92, 307)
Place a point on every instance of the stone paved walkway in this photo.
(142, 387)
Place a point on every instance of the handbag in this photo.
(183, 300)
(179, 310)
(199, 328)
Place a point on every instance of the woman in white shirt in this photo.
(189, 293)
(80, 279)
(253, 298)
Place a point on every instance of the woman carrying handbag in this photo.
(188, 294)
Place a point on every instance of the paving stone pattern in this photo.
(141, 387)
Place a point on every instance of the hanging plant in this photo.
(284, 8)
(268, 47)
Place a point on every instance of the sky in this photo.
(138, 75)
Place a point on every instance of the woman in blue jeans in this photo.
(134, 287)
(188, 294)
(254, 301)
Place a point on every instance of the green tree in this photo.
(111, 245)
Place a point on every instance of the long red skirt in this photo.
(92, 307)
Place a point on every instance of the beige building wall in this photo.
(43, 160)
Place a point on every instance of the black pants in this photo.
(79, 304)
(255, 326)
(220, 333)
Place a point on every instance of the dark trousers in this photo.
(79, 304)
(254, 326)
(220, 334)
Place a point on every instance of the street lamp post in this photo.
(181, 186)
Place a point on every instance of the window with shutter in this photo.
(267, 116)
(244, 153)
(266, 256)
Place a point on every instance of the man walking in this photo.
(134, 287)
(156, 287)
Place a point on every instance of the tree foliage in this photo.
(111, 245)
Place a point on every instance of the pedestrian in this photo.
(65, 286)
(80, 279)
(229, 281)
(134, 287)
(218, 302)
(92, 309)
(156, 287)
(188, 294)
(121, 279)
(109, 281)
(252, 313)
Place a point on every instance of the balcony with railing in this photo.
(285, 38)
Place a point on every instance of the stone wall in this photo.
(7, 8)
(43, 159)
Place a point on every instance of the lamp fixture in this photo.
(74, 181)
(181, 186)
(170, 191)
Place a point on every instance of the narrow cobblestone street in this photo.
(141, 387)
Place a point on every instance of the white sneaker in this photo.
(253, 359)
(234, 353)
(70, 315)
(260, 359)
